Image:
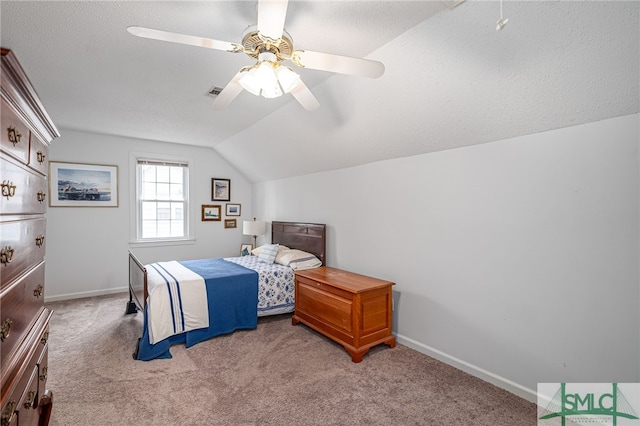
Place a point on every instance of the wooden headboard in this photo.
(309, 237)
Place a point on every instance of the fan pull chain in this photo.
(501, 22)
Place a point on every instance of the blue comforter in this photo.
(232, 294)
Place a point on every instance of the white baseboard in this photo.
(84, 294)
(487, 376)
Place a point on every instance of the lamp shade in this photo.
(254, 227)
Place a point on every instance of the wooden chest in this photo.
(352, 309)
(25, 135)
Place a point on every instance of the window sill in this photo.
(161, 243)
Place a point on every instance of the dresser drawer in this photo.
(14, 135)
(25, 397)
(27, 407)
(324, 287)
(23, 191)
(23, 246)
(38, 155)
(34, 349)
(328, 308)
(43, 365)
(24, 408)
(9, 411)
(20, 304)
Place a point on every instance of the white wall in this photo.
(87, 246)
(516, 260)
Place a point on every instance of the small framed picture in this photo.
(230, 223)
(211, 212)
(220, 189)
(233, 209)
(245, 249)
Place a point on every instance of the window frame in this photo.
(136, 239)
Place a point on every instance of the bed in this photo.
(236, 291)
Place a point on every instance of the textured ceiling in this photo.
(451, 80)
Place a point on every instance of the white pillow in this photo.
(298, 260)
(256, 251)
(268, 253)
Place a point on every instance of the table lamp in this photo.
(254, 228)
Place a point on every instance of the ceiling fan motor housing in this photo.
(254, 44)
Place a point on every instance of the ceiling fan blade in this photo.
(184, 39)
(228, 94)
(304, 96)
(271, 16)
(336, 63)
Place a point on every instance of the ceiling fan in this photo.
(270, 44)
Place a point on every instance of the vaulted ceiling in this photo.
(451, 79)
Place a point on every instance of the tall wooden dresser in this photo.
(26, 133)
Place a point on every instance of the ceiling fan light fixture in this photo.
(261, 80)
(287, 78)
(250, 82)
(267, 77)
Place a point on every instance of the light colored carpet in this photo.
(278, 374)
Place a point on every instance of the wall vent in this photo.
(214, 91)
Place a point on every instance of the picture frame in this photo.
(230, 223)
(220, 189)
(245, 249)
(233, 209)
(211, 212)
(82, 185)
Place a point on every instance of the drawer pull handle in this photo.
(40, 157)
(31, 400)
(8, 413)
(38, 291)
(39, 240)
(8, 189)
(43, 376)
(14, 135)
(5, 330)
(41, 196)
(6, 255)
(45, 337)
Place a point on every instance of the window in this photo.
(162, 189)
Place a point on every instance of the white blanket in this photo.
(177, 300)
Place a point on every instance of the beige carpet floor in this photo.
(278, 374)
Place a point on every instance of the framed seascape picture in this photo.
(82, 185)
(233, 209)
(230, 223)
(245, 249)
(220, 189)
(211, 212)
